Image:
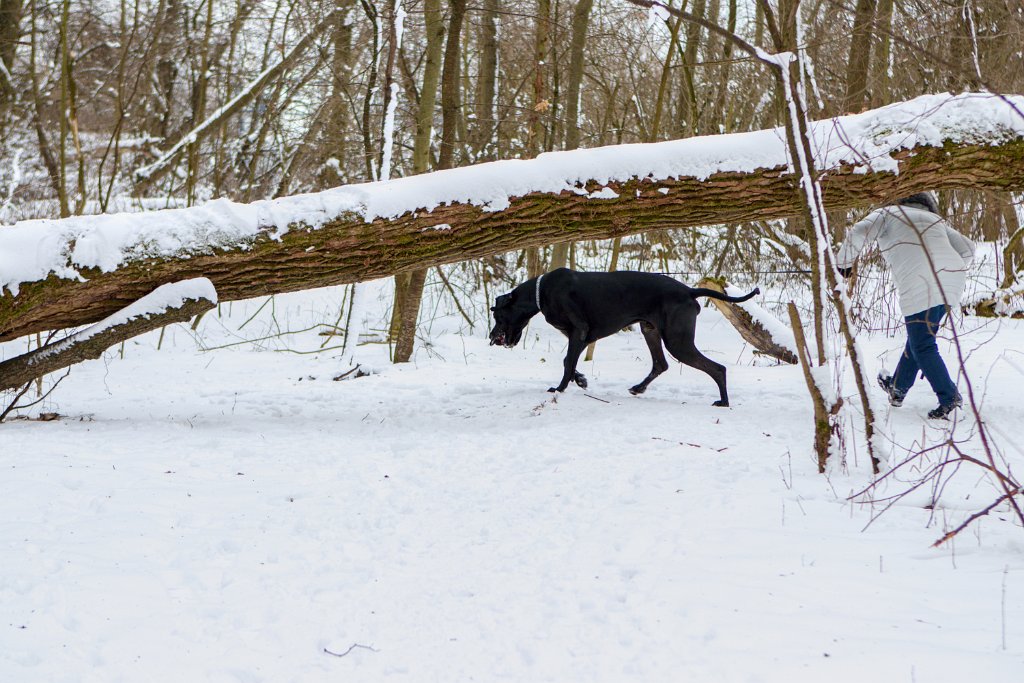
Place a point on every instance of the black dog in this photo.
(586, 307)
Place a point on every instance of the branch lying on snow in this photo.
(758, 327)
(977, 515)
(171, 303)
(351, 647)
(16, 404)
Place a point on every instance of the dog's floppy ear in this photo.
(502, 301)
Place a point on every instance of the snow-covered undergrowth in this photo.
(232, 514)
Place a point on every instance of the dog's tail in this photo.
(700, 291)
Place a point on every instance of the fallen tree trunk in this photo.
(754, 330)
(370, 231)
(1003, 303)
(171, 303)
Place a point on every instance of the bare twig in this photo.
(14, 404)
(980, 513)
(353, 646)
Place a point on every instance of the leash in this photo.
(756, 272)
(538, 291)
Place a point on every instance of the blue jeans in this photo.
(922, 353)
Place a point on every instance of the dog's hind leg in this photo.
(679, 340)
(659, 364)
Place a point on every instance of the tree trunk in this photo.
(823, 412)
(409, 290)
(409, 286)
(720, 112)
(386, 144)
(11, 12)
(687, 114)
(39, 104)
(541, 57)
(428, 93)
(199, 96)
(450, 82)
(674, 25)
(485, 148)
(350, 249)
(535, 119)
(859, 61)
(578, 41)
(408, 313)
(881, 54)
(370, 9)
(331, 153)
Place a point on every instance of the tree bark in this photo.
(349, 249)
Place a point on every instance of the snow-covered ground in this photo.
(236, 515)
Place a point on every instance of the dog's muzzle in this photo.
(502, 339)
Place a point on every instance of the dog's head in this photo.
(511, 313)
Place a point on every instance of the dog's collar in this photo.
(537, 295)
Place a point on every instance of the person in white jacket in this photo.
(929, 261)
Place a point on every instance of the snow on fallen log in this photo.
(759, 328)
(1006, 302)
(32, 250)
(170, 303)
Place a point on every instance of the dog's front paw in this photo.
(721, 404)
(637, 390)
(580, 380)
(552, 390)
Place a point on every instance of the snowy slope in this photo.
(228, 515)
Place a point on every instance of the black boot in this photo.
(895, 395)
(943, 411)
